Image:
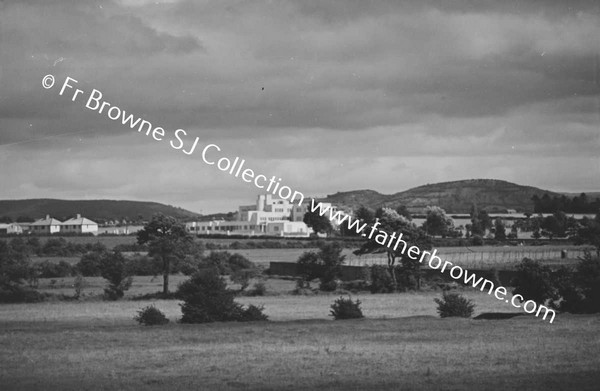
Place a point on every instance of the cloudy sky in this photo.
(328, 95)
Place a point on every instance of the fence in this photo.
(500, 259)
(350, 273)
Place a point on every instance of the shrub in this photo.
(188, 265)
(89, 265)
(239, 262)
(579, 290)
(381, 280)
(534, 282)
(78, 284)
(225, 262)
(243, 277)
(150, 316)
(346, 309)
(49, 269)
(259, 289)
(454, 304)
(252, 313)
(142, 265)
(476, 240)
(324, 265)
(206, 299)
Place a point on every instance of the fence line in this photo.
(481, 258)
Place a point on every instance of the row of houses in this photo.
(50, 225)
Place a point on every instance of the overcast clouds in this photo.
(328, 95)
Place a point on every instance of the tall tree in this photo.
(437, 222)
(318, 223)
(167, 240)
(392, 223)
(499, 229)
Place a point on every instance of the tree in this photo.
(113, 269)
(318, 223)
(437, 222)
(555, 225)
(167, 240)
(499, 229)
(14, 267)
(324, 265)
(391, 223)
(589, 233)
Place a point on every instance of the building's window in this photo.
(275, 228)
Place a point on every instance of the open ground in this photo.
(401, 344)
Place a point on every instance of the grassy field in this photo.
(400, 345)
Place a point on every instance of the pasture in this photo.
(401, 344)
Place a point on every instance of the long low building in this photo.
(269, 216)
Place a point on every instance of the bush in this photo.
(534, 282)
(78, 285)
(142, 265)
(346, 309)
(476, 240)
(381, 280)
(243, 277)
(89, 264)
(150, 316)
(259, 289)
(454, 304)
(225, 262)
(206, 299)
(252, 313)
(579, 290)
(49, 269)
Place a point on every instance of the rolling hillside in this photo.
(455, 197)
(97, 210)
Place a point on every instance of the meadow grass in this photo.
(106, 350)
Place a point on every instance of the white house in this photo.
(47, 225)
(8, 229)
(79, 225)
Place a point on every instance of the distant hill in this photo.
(455, 197)
(93, 209)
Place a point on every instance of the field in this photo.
(401, 344)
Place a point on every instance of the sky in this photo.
(327, 95)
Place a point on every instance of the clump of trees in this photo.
(577, 204)
(575, 290)
(438, 223)
(324, 265)
(392, 223)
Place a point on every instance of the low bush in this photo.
(142, 265)
(344, 308)
(454, 304)
(150, 316)
(49, 269)
(476, 240)
(259, 289)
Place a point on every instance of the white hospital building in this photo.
(269, 216)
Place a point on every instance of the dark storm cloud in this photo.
(330, 95)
